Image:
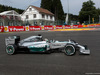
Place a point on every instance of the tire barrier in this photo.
(38, 28)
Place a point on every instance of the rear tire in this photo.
(69, 50)
(11, 49)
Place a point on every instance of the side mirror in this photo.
(76, 43)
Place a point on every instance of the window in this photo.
(11, 17)
(16, 17)
(51, 17)
(27, 17)
(43, 16)
(0, 16)
(30, 9)
(34, 15)
(47, 16)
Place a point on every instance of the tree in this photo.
(7, 8)
(55, 7)
(98, 10)
(46, 4)
(98, 15)
(88, 9)
(58, 10)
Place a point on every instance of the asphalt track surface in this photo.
(55, 63)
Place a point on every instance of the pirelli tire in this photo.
(11, 49)
(70, 50)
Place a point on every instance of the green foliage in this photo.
(73, 17)
(7, 8)
(88, 9)
(98, 10)
(58, 9)
(46, 4)
(55, 7)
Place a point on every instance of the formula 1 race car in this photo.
(38, 44)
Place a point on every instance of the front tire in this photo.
(69, 50)
(11, 49)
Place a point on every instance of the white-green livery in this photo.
(38, 44)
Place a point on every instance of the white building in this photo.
(37, 16)
(10, 18)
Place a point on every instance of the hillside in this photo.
(7, 8)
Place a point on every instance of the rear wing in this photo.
(12, 40)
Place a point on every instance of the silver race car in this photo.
(38, 44)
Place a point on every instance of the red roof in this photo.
(41, 10)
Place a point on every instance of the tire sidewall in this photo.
(73, 52)
(12, 49)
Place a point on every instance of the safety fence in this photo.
(37, 28)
